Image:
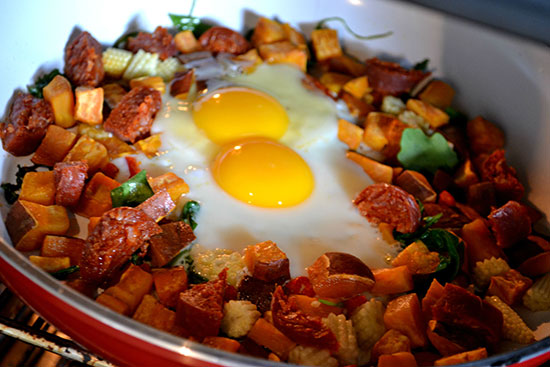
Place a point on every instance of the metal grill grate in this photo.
(26, 340)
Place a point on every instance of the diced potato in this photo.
(357, 87)
(96, 196)
(153, 313)
(251, 56)
(113, 93)
(418, 258)
(267, 335)
(377, 171)
(155, 82)
(433, 115)
(186, 42)
(113, 303)
(284, 52)
(334, 81)
(149, 146)
(220, 342)
(358, 108)
(60, 95)
(175, 185)
(266, 261)
(267, 31)
(28, 223)
(392, 280)
(38, 187)
(93, 221)
(115, 146)
(133, 285)
(484, 136)
(350, 134)
(169, 283)
(438, 94)
(50, 264)
(326, 44)
(89, 105)
(89, 150)
(373, 134)
(58, 246)
(54, 147)
(294, 36)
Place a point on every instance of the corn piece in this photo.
(537, 298)
(167, 69)
(154, 82)
(142, 64)
(326, 44)
(368, 322)
(38, 187)
(484, 270)
(60, 95)
(348, 351)
(513, 328)
(50, 264)
(393, 105)
(310, 356)
(115, 61)
(89, 105)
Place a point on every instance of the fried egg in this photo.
(260, 154)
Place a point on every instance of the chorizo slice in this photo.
(221, 39)
(160, 42)
(510, 223)
(450, 217)
(256, 291)
(119, 233)
(26, 125)
(200, 309)
(495, 169)
(69, 181)
(83, 61)
(132, 118)
(383, 203)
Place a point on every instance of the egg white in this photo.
(326, 221)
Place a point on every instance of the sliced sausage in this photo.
(257, 291)
(510, 223)
(160, 42)
(390, 78)
(174, 237)
(182, 83)
(132, 118)
(83, 61)
(496, 170)
(383, 203)
(69, 181)
(221, 39)
(119, 233)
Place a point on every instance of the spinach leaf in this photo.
(456, 117)
(189, 213)
(420, 152)
(184, 258)
(331, 303)
(36, 88)
(132, 192)
(422, 65)
(189, 23)
(121, 41)
(11, 191)
(136, 258)
(63, 273)
(322, 23)
(408, 238)
(450, 249)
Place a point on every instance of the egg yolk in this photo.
(232, 113)
(263, 173)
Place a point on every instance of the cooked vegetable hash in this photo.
(443, 195)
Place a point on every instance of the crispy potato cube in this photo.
(326, 44)
(89, 105)
(112, 94)
(115, 146)
(438, 94)
(38, 187)
(113, 303)
(252, 58)
(89, 150)
(358, 108)
(158, 206)
(60, 95)
(267, 31)
(96, 196)
(153, 313)
(54, 147)
(28, 223)
(50, 264)
(154, 82)
(267, 335)
(433, 115)
(93, 221)
(186, 42)
(284, 52)
(357, 87)
(58, 246)
(169, 283)
(377, 171)
(294, 36)
(174, 237)
(418, 258)
(373, 134)
(133, 285)
(334, 81)
(149, 146)
(266, 261)
(350, 134)
(175, 185)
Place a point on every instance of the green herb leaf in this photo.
(322, 23)
(63, 273)
(184, 258)
(408, 238)
(132, 192)
(11, 191)
(136, 257)
(121, 41)
(422, 65)
(450, 249)
(189, 23)
(330, 303)
(189, 213)
(420, 152)
(36, 88)
(456, 117)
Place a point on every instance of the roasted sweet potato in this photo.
(350, 134)
(391, 342)
(175, 185)
(219, 342)
(480, 244)
(169, 283)
(134, 284)
(392, 280)
(89, 105)
(418, 258)
(311, 306)
(438, 93)
(38, 187)
(153, 313)
(378, 172)
(509, 286)
(267, 335)
(404, 314)
(401, 359)
(60, 95)
(57, 246)
(433, 115)
(464, 357)
(417, 185)
(484, 136)
(284, 52)
(96, 196)
(267, 262)
(50, 264)
(325, 44)
(54, 147)
(113, 303)
(89, 150)
(434, 293)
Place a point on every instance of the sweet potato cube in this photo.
(401, 359)
(112, 94)
(149, 146)
(438, 94)
(69, 182)
(325, 44)
(89, 105)
(158, 206)
(169, 283)
(219, 342)
(175, 185)
(267, 31)
(155, 82)
(391, 342)
(480, 243)
(350, 134)
(358, 108)
(153, 313)
(334, 81)
(469, 356)
(377, 171)
(174, 237)
(294, 36)
(484, 136)
(96, 197)
(418, 258)
(465, 175)
(433, 115)
(266, 261)
(267, 335)
(93, 221)
(417, 185)
(186, 42)
(113, 303)
(284, 52)
(115, 147)
(392, 280)
(404, 314)
(133, 285)
(509, 286)
(312, 307)
(28, 223)
(435, 292)
(54, 147)
(50, 264)
(38, 187)
(57, 246)
(357, 87)
(60, 95)
(89, 150)
(373, 134)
